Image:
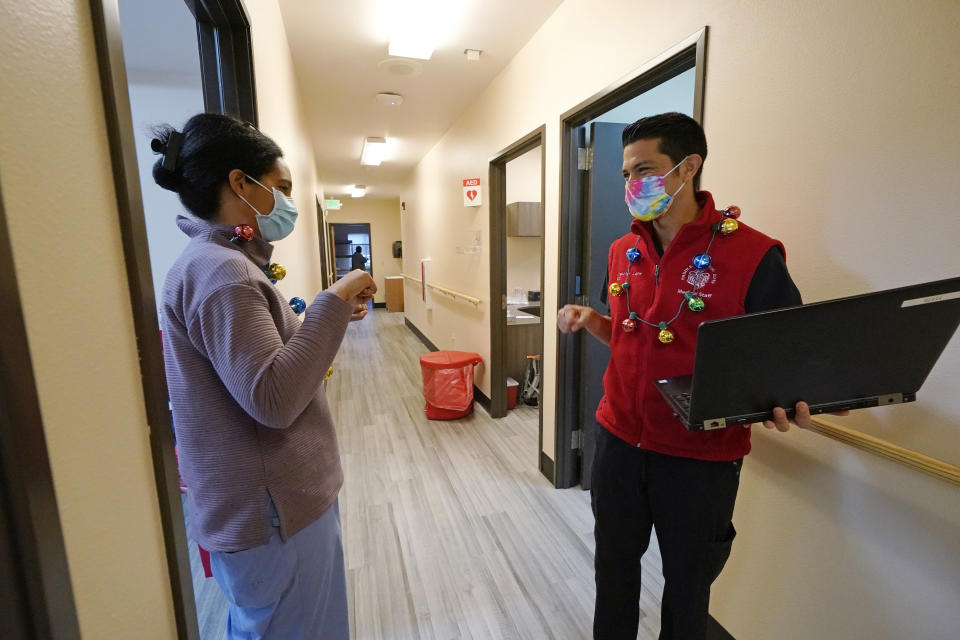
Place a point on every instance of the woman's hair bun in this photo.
(166, 170)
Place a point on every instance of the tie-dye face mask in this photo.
(647, 198)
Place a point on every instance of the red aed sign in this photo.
(471, 192)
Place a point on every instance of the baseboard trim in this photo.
(420, 335)
(481, 397)
(546, 466)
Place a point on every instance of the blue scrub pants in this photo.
(293, 590)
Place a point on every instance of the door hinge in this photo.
(585, 159)
(576, 439)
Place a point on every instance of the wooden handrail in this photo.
(450, 292)
(877, 446)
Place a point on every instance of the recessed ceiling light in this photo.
(373, 150)
(358, 191)
(401, 67)
(389, 99)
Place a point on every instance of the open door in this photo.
(605, 220)
(592, 215)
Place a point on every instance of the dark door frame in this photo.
(368, 225)
(43, 606)
(498, 274)
(688, 54)
(323, 240)
(226, 58)
(234, 94)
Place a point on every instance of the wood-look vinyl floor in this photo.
(450, 531)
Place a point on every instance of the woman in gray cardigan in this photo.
(257, 447)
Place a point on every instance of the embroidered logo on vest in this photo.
(699, 278)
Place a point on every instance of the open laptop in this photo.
(850, 353)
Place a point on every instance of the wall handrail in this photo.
(885, 449)
(871, 444)
(449, 292)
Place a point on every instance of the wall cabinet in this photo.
(525, 219)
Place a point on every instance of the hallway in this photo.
(450, 531)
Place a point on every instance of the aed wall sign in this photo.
(472, 195)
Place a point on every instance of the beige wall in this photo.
(435, 223)
(282, 118)
(523, 264)
(833, 125)
(523, 253)
(59, 197)
(383, 216)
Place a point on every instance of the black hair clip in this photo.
(170, 150)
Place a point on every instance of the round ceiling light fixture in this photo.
(389, 99)
(404, 67)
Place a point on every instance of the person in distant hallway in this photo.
(256, 441)
(684, 261)
(358, 259)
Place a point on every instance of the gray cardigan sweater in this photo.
(245, 378)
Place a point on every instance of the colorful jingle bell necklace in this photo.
(691, 299)
(273, 271)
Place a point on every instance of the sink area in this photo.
(522, 311)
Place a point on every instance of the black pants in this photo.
(690, 502)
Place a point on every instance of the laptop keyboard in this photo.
(683, 399)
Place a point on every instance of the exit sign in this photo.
(332, 205)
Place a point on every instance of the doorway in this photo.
(324, 240)
(592, 216)
(161, 62)
(351, 243)
(516, 283)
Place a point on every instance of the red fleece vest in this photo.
(632, 408)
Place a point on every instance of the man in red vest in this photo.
(682, 263)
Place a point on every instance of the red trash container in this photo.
(448, 383)
(513, 388)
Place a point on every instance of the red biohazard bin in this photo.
(448, 383)
(513, 388)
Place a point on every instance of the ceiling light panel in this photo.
(373, 152)
(418, 26)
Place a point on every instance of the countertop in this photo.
(515, 316)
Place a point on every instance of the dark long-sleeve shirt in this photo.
(245, 379)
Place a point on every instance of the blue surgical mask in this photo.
(647, 198)
(279, 223)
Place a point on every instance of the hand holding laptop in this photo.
(801, 418)
(827, 353)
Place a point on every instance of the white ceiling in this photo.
(336, 47)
